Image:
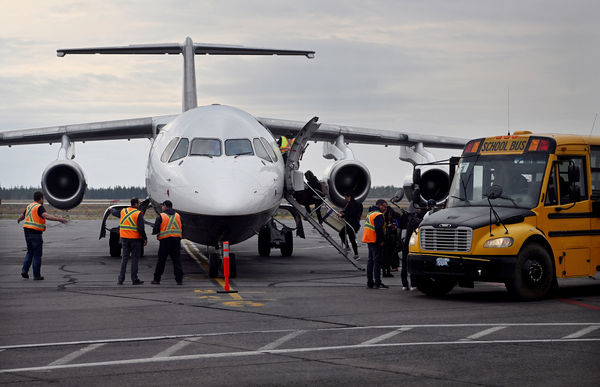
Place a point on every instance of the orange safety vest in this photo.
(286, 144)
(369, 234)
(32, 219)
(170, 226)
(128, 224)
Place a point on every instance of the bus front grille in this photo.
(445, 239)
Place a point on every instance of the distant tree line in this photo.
(117, 192)
(122, 192)
(382, 192)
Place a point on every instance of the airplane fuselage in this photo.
(221, 169)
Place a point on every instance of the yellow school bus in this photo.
(523, 209)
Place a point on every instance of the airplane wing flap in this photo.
(106, 130)
(329, 132)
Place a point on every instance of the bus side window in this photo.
(571, 189)
(551, 194)
(595, 168)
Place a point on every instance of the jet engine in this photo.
(348, 176)
(433, 184)
(63, 183)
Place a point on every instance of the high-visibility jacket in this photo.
(128, 225)
(170, 226)
(369, 234)
(32, 219)
(286, 144)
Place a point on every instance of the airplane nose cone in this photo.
(226, 197)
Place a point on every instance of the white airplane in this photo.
(219, 165)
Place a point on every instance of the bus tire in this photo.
(533, 276)
(434, 286)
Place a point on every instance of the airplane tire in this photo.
(533, 277)
(213, 265)
(232, 266)
(114, 242)
(264, 242)
(288, 247)
(434, 286)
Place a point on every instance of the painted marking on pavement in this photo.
(74, 355)
(281, 340)
(282, 351)
(177, 346)
(385, 336)
(582, 332)
(167, 337)
(485, 332)
(578, 303)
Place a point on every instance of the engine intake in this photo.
(63, 183)
(434, 184)
(348, 176)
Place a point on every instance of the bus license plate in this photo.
(442, 261)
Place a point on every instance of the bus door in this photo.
(566, 215)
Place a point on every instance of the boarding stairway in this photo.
(294, 181)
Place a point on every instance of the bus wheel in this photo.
(533, 276)
(435, 286)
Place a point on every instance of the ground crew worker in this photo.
(374, 237)
(168, 230)
(131, 229)
(284, 146)
(35, 216)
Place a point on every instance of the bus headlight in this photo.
(413, 239)
(499, 242)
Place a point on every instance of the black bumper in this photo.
(497, 268)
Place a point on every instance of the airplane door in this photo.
(566, 217)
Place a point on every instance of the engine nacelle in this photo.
(63, 183)
(434, 184)
(348, 176)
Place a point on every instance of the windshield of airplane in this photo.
(238, 147)
(181, 151)
(520, 177)
(205, 147)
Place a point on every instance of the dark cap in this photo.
(167, 203)
(134, 201)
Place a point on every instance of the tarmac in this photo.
(297, 320)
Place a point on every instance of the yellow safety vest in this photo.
(286, 144)
(32, 219)
(128, 225)
(170, 226)
(369, 234)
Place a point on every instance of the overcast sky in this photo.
(432, 67)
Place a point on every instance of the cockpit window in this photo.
(205, 147)
(270, 148)
(260, 150)
(167, 152)
(238, 147)
(181, 151)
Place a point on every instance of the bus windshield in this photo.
(520, 177)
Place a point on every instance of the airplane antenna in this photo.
(508, 109)
(594, 124)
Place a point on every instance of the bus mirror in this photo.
(416, 176)
(397, 196)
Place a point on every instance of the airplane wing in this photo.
(329, 132)
(145, 127)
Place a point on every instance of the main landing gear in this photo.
(270, 236)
